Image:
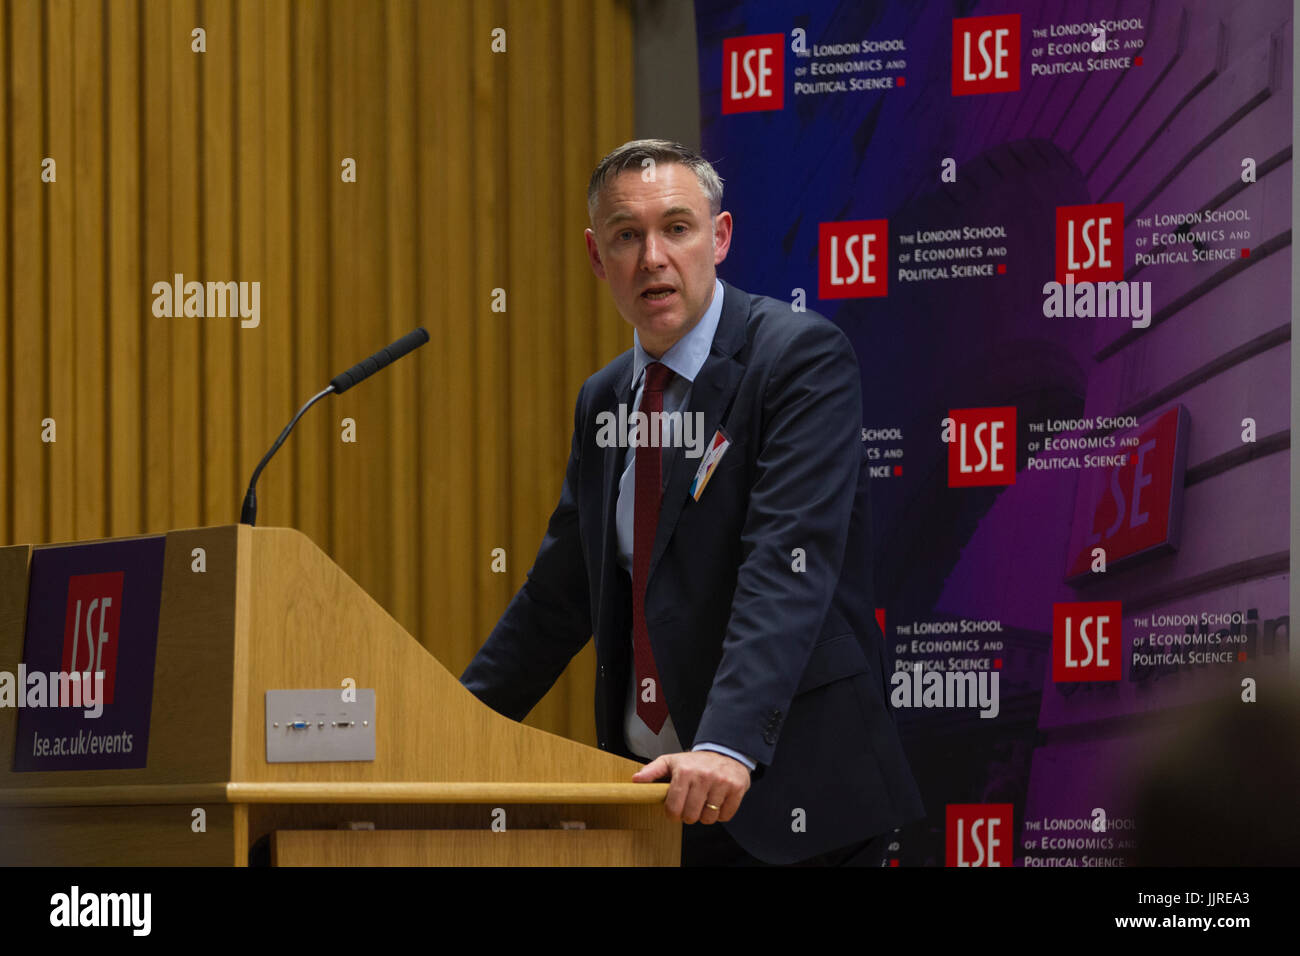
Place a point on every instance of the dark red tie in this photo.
(648, 490)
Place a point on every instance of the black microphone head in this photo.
(384, 357)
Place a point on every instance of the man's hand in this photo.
(699, 778)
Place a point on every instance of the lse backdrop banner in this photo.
(1058, 237)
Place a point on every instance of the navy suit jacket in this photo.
(759, 599)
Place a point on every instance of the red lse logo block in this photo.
(853, 259)
(1133, 510)
(753, 73)
(986, 54)
(1090, 242)
(91, 626)
(1087, 640)
(983, 447)
(978, 834)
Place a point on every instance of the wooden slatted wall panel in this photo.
(225, 166)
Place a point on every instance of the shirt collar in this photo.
(688, 353)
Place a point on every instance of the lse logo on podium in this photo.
(853, 259)
(986, 54)
(1086, 641)
(753, 73)
(981, 446)
(1090, 242)
(91, 626)
(978, 834)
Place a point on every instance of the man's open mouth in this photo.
(657, 293)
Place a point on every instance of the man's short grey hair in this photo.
(632, 155)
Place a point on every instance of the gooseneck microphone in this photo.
(338, 385)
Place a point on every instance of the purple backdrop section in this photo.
(141, 560)
(1163, 137)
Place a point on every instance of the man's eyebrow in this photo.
(667, 214)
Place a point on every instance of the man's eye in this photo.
(679, 227)
(625, 234)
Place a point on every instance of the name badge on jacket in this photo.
(717, 448)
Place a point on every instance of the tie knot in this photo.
(656, 376)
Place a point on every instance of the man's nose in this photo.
(652, 256)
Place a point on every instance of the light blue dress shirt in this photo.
(685, 358)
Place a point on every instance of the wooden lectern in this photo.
(272, 612)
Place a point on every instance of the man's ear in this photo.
(721, 236)
(593, 255)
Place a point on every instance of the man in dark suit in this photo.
(736, 641)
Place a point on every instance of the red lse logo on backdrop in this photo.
(1090, 242)
(978, 834)
(853, 259)
(986, 54)
(91, 626)
(753, 73)
(1086, 641)
(983, 447)
(1129, 510)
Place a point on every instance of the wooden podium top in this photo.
(271, 611)
(351, 793)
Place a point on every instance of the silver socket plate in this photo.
(314, 726)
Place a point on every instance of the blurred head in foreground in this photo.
(1225, 792)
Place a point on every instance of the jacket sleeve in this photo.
(549, 618)
(801, 499)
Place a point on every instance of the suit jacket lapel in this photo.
(620, 393)
(711, 395)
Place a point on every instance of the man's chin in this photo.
(659, 328)
(653, 321)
